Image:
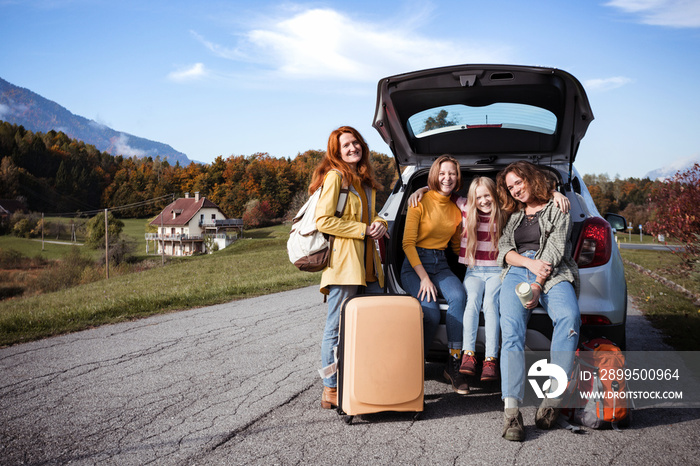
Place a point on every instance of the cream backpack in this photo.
(309, 249)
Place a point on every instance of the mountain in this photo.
(674, 167)
(23, 107)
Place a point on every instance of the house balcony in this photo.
(234, 223)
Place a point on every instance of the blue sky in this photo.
(234, 77)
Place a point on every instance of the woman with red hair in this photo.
(354, 265)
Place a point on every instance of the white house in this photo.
(190, 225)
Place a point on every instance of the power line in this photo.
(146, 202)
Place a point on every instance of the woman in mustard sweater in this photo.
(430, 228)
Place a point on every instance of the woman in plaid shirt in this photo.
(535, 248)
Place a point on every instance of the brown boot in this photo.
(329, 399)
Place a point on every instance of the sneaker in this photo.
(490, 370)
(513, 429)
(468, 365)
(459, 381)
(547, 413)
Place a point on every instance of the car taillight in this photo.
(594, 244)
(594, 320)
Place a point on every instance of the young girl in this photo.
(432, 226)
(482, 225)
(354, 264)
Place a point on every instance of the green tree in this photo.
(438, 121)
(95, 227)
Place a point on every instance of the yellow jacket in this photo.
(346, 264)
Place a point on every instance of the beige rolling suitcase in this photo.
(380, 355)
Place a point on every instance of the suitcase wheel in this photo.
(418, 416)
(348, 419)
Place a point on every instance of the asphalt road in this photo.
(237, 384)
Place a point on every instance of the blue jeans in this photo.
(447, 283)
(483, 285)
(561, 305)
(336, 296)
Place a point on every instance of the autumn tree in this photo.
(438, 121)
(676, 209)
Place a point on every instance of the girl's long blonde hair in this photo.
(496, 218)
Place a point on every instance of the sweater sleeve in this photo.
(410, 234)
(456, 240)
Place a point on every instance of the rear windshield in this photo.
(498, 115)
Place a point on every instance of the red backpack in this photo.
(599, 395)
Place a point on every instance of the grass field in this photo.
(255, 265)
(669, 310)
(133, 232)
(646, 239)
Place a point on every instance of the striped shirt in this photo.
(486, 254)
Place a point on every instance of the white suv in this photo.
(488, 116)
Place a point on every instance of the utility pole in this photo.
(162, 240)
(106, 245)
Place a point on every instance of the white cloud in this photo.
(324, 43)
(218, 50)
(11, 108)
(670, 13)
(122, 147)
(5, 111)
(194, 72)
(606, 84)
(97, 124)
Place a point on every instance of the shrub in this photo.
(297, 203)
(11, 259)
(23, 225)
(118, 252)
(257, 214)
(64, 273)
(677, 212)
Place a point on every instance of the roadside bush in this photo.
(118, 253)
(11, 259)
(64, 273)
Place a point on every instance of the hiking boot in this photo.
(490, 370)
(547, 413)
(329, 398)
(459, 381)
(468, 365)
(513, 429)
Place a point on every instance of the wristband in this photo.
(537, 284)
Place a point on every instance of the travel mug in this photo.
(524, 292)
